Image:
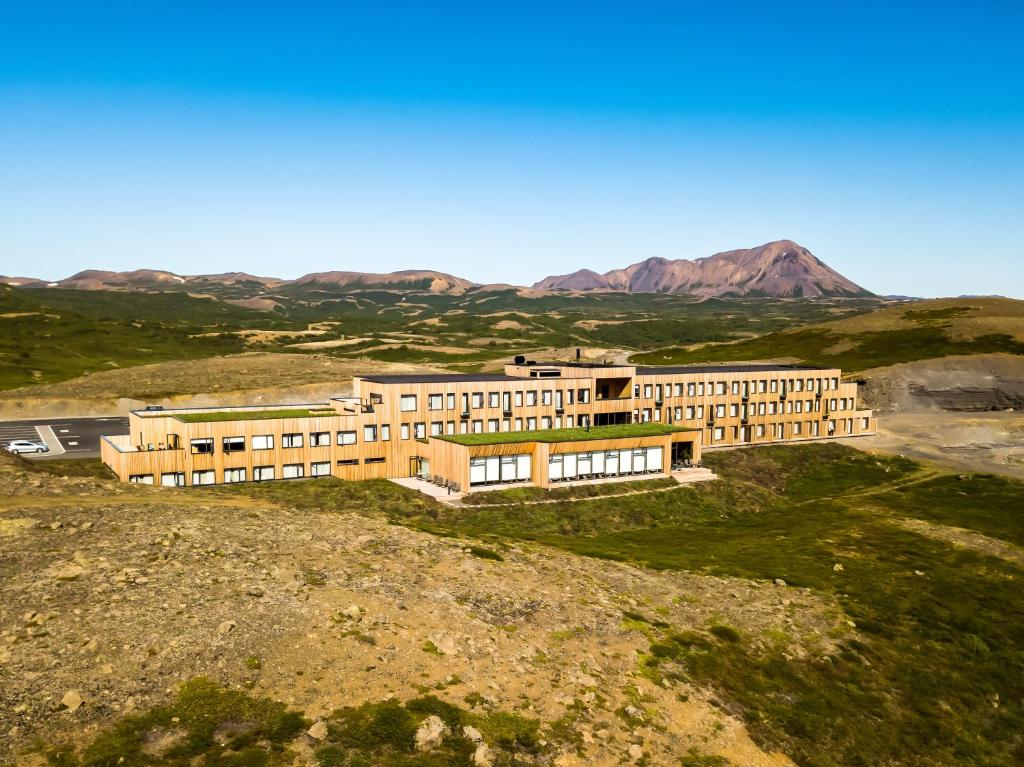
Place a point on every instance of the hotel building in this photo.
(537, 422)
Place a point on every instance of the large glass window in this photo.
(263, 442)
(205, 477)
(407, 403)
(435, 402)
(202, 446)
(370, 433)
(173, 479)
(320, 439)
(291, 440)
(346, 438)
(262, 473)
(320, 468)
(233, 445)
(234, 475)
(292, 471)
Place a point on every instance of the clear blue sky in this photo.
(504, 141)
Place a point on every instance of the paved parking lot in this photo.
(66, 437)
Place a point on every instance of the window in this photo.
(385, 432)
(320, 439)
(202, 446)
(407, 403)
(348, 462)
(518, 424)
(374, 460)
(140, 479)
(451, 401)
(734, 410)
(700, 411)
(292, 471)
(436, 428)
(435, 401)
(234, 444)
(545, 422)
(420, 430)
(531, 398)
(403, 431)
(173, 479)
(545, 397)
(719, 411)
(759, 432)
(865, 424)
(478, 426)
(519, 399)
(700, 389)
(370, 433)
(691, 389)
(478, 399)
(346, 438)
(291, 440)
(773, 386)
(263, 442)
(584, 397)
(492, 425)
(648, 391)
(262, 473)
(531, 424)
(690, 412)
(234, 475)
(203, 477)
(735, 387)
(721, 387)
(719, 433)
(492, 399)
(797, 427)
(449, 427)
(320, 469)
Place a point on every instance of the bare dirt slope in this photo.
(118, 592)
(966, 413)
(241, 379)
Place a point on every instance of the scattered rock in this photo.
(837, 567)
(71, 700)
(635, 751)
(226, 627)
(779, 582)
(318, 731)
(482, 756)
(472, 734)
(254, 591)
(431, 733)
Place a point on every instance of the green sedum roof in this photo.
(250, 415)
(576, 434)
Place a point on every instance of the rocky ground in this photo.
(964, 413)
(111, 595)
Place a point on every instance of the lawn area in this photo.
(934, 674)
(578, 434)
(250, 415)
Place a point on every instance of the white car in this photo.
(26, 446)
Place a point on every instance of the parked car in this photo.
(26, 446)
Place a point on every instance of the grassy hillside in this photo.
(886, 336)
(934, 674)
(50, 335)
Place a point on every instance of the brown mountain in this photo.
(154, 279)
(782, 268)
(423, 279)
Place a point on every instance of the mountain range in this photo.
(777, 269)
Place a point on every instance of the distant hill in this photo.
(780, 269)
(422, 279)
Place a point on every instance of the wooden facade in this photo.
(389, 427)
